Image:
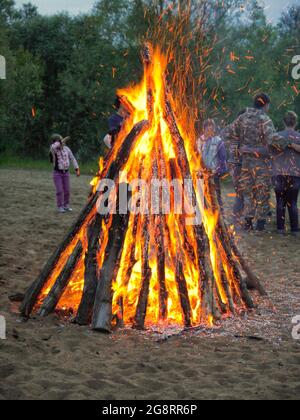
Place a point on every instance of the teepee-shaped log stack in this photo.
(140, 268)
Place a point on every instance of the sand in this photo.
(250, 357)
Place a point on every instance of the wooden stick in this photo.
(85, 310)
(110, 172)
(102, 316)
(61, 283)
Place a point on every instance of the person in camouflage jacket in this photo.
(251, 137)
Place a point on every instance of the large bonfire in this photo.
(142, 269)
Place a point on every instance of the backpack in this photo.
(210, 153)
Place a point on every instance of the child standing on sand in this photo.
(61, 156)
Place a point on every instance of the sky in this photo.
(274, 7)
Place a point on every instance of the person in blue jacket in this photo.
(213, 151)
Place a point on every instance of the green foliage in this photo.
(256, 56)
(63, 71)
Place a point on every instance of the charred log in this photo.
(140, 316)
(183, 294)
(161, 268)
(102, 315)
(85, 310)
(61, 283)
(182, 225)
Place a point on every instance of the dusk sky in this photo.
(273, 7)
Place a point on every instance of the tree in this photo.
(63, 71)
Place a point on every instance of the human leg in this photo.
(57, 178)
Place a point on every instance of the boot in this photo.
(261, 225)
(248, 226)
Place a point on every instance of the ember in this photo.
(142, 269)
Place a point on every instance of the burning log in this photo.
(182, 226)
(140, 316)
(136, 220)
(111, 172)
(160, 224)
(161, 268)
(183, 294)
(61, 283)
(132, 259)
(102, 316)
(182, 158)
(206, 277)
(228, 293)
(147, 59)
(85, 310)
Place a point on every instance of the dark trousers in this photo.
(238, 208)
(287, 191)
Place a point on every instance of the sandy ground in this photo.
(253, 357)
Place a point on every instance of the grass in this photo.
(89, 168)
(15, 162)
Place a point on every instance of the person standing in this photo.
(252, 134)
(61, 156)
(213, 152)
(115, 122)
(286, 176)
(235, 169)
